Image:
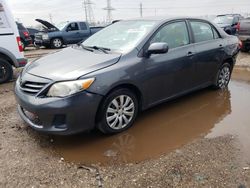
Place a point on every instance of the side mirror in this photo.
(158, 48)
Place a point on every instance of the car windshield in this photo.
(61, 25)
(122, 36)
(224, 20)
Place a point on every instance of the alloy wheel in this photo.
(224, 77)
(120, 112)
(57, 43)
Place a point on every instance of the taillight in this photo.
(19, 43)
(240, 44)
(238, 26)
(26, 33)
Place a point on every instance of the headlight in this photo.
(45, 36)
(63, 89)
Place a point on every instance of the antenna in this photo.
(109, 10)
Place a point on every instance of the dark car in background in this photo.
(32, 32)
(64, 33)
(127, 67)
(244, 34)
(24, 35)
(229, 22)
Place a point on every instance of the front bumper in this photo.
(61, 116)
(38, 42)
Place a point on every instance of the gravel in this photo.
(28, 159)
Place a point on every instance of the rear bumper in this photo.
(61, 116)
(27, 41)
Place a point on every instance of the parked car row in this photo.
(229, 22)
(64, 33)
(235, 24)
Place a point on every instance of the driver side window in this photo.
(73, 27)
(174, 34)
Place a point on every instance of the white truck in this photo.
(11, 52)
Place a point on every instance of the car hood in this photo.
(222, 25)
(71, 63)
(48, 25)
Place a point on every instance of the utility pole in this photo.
(89, 15)
(109, 10)
(50, 18)
(141, 9)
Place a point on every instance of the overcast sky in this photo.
(64, 10)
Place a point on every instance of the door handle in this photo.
(221, 47)
(190, 54)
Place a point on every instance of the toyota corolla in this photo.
(125, 68)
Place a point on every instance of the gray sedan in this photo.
(123, 69)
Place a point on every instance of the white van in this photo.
(11, 52)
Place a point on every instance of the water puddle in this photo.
(168, 126)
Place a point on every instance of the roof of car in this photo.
(167, 18)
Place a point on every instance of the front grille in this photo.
(32, 87)
(38, 36)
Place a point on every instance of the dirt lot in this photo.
(201, 140)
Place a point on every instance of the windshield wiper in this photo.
(85, 47)
(103, 49)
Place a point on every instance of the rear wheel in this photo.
(223, 76)
(118, 112)
(56, 43)
(6, 71)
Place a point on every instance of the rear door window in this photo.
(174, 34)
(83, 26)
(202, 31)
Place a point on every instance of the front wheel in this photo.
(56, 43)
(223, 76)
(118, 111)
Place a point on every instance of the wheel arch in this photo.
(230, 61)
(129, 86)
(7, 58)
(55, 37)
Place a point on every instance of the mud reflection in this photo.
(157, 131)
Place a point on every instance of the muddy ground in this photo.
(200, 140)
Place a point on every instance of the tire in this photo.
(223, 76)
(114, 119)
(6, 71)
(56, 43)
